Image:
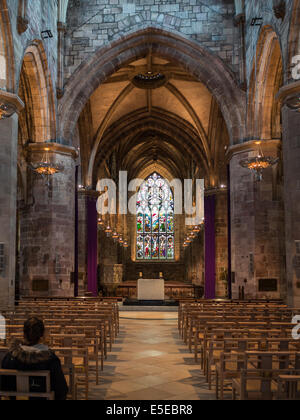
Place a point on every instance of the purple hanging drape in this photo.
(229, 236)
(76, 263)
(92, 245)
(210, 247)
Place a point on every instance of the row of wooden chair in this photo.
(81, 333)
(247, 347)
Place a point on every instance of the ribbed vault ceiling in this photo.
(176, 126)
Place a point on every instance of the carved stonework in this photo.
(9, 104)
(289, 95)
(22, 24)
(59, 93)
(239, 19)
(279, 8)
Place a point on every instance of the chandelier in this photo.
(149, 80)
(259, 163)
(115, 236)
(45, 167)
(193, 234)
(108, 231)
(101, 223)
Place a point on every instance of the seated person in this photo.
(34, 356)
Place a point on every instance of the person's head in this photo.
(34, 330)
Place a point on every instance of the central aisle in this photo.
(150, 362)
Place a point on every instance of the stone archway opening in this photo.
(176, 125)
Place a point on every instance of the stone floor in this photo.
(150, 362)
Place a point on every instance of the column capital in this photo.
(54, 148)
(253, 145)
(239, 19)
(290, 95)
(9, 104)
(22, 24)
(62, 27)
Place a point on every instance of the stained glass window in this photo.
(155, 220)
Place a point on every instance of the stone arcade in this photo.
(161, 90)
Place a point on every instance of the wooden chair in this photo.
(288, 387)
(78, 360)
(259, 377)
(25, 384)
(3, 353)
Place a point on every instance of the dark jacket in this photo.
(36, 358)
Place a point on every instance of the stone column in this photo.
(82, 243)
(239, 21)
(47, 226)
(61, 31)
(257, 225)
(289, 95)
(22, 19)
(9, 104)
(221, 229)
(291, 157)
(194, 262)
(8, 193)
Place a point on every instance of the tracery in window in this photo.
(155, 220)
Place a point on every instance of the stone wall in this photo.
(291, 149)
(92, 25)
(264, 9)
(8, 194)
(194, 262)
(41, 15)
(257, 220)
(47, 225)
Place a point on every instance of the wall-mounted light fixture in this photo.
(47, 34)
(256, 21)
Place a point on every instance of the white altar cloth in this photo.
(151, 289)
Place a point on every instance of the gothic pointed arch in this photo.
(7, 61)
(197, 61)
(36, 90)
(264, 118)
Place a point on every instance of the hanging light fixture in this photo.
(121, 240)
(45, 167)
(125, 244)
(197, 229)
(188, 240)
(100, 223)
(259, 163)
(108, 231)
(115, 236)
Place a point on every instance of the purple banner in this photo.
(92, 246)
(210, 247)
